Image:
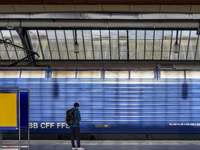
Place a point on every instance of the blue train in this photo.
(113, 105)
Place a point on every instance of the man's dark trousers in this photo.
(75, 130)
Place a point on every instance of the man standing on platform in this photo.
(75, 128)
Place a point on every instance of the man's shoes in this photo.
(79, 148)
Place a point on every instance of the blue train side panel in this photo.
(127, 105)
(24, 109)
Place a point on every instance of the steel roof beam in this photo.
(66, 44)
(127, 45)
(26, 44)
(59, 54)
(100, 16)
(83, 44)
(50, 50)
(100, 24)
(5, 46)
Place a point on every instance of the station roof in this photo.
(104, 44)
(105, 30)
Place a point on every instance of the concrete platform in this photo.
(109, 144)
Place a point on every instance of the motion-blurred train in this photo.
(111, 101)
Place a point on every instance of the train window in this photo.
(88, 74)
(116, 74)
(192, 74)
(63, 74)
(172, 74)
(33, 74)
(142, 74)
(9, 74)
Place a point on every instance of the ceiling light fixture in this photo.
(76, 45)
(176, 46)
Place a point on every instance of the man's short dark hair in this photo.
(76, 104)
